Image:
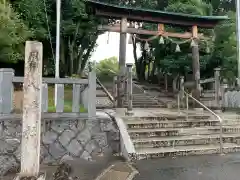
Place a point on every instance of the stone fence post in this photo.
(224, 86)
(6, 90)
(129, 86)
(181, 91)
(115, 91)
(92, 95)
(217, 86)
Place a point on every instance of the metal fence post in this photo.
(6, 90)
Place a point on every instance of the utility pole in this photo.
(57, 47)
(238, 38)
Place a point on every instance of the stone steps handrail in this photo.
(206, 108)
(147, 93)
(209, 80)
(111, 98)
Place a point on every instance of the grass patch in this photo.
(67, 108)
(18, 100)
(67, 100)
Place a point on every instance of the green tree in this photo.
(107, 68)
(225, 48)
(13, 35)
(78, 31)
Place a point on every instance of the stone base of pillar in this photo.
(218, 111)
(121, 111)
(199, 109)
(41, 176)
(129, 113)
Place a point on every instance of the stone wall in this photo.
(62, 138)
(231, 99)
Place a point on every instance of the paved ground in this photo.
(211, 167)
(118, 171)
(81, 169)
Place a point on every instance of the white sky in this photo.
(105, 50)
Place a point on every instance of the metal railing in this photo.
(209, 110)
(154, 98)
(109, 95)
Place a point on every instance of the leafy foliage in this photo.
(107, 68)
(78, 32)
(13, 34)
(23, 20)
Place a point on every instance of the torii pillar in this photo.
(196, 65)
(122, 62)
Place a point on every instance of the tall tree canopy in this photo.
(36, 19)
(78, 31)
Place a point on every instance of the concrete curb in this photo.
(130, 176)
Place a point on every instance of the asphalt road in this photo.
(205, 167)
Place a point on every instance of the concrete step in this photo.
(169, 117)
(101, 95)
(143, 102)
(146, 106)
(142, 98)
(136, 124)
(149, 153)
(172, 141)
(163, 132)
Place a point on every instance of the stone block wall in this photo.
(62, 139)
(231, 98)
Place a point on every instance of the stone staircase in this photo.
(140, 98)
(181, 135)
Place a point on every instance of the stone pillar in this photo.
(217, 86)
(129, 86)
(122, 61)
(224, 86)
(6, 90)
(31, 123)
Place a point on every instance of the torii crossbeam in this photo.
(161, 18)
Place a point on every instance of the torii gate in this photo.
(124, 14)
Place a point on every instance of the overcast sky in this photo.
(105, 50)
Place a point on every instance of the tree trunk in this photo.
(153, 69)
(149, 70)
(79, 59)
(134, 43)
(71, 58)
(64, 67)
(175, 83)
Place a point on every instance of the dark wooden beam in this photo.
(152, 19)
(186, 35)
